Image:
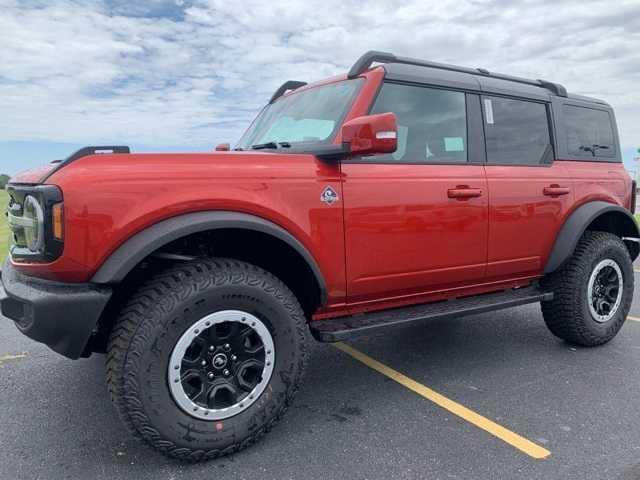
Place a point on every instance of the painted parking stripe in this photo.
(636, 270)
(513, 439)
(635, 319)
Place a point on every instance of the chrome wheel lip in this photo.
(173, 375)
(590, 290)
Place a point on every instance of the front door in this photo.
(416, 220)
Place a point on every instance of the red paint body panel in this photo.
(523, 221)
(33, 176)
(608, 182)
(109, 198)
(404, 236)
(399, 234)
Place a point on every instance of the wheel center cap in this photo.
(220, 360)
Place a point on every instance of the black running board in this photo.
(338, 329)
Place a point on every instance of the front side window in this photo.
(432, 124)
(589, 132)
(517, 132)
(309, 116)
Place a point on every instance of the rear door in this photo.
(416, 220)
(529, 193)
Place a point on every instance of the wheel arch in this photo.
(152, 239)
(597, 215)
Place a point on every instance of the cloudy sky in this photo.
(187, 74)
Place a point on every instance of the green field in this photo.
(4, 229)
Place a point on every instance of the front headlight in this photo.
(33, 224)
(36, 220)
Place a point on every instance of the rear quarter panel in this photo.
(605, 181)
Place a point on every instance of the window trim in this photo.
(476, 140)
(550, 129)
(372, 159)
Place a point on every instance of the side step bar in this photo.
(338, 329)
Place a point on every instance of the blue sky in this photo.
(184, 75)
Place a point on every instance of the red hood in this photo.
(35, 175)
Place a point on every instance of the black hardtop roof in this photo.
(413, 70)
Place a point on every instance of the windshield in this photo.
(308, 116)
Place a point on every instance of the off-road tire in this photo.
(568, 315)
(157, 315)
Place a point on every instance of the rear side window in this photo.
(517, 132)
(589, 132)
(432, 124)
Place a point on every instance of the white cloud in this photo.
(194, 72)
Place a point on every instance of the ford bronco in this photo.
(403, 191)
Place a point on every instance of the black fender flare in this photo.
(149, 240)
(575, 226)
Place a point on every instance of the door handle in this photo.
(463, 192)
(555, 190)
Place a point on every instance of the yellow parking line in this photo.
(6, 358)
(461, 411)
(635, 319)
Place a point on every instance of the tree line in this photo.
(4, 179)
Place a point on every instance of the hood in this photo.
(39, 175)
(34, 175)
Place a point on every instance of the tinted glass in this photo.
(432, 124)
(311, 115)
(517, 132)
(589, 132)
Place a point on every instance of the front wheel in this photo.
(206, 357)
(592, 291)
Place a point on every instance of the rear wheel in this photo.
(592, 291)
(206, 358)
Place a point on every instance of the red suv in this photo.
(396, 193)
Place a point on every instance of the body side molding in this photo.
(147, 241)
(577, 223)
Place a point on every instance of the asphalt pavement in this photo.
(350, 421)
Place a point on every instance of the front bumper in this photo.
(60, 315)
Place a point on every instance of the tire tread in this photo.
(563, 315)
(164, 292)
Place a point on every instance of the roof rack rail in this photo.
(288, 85)
(373, 56)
